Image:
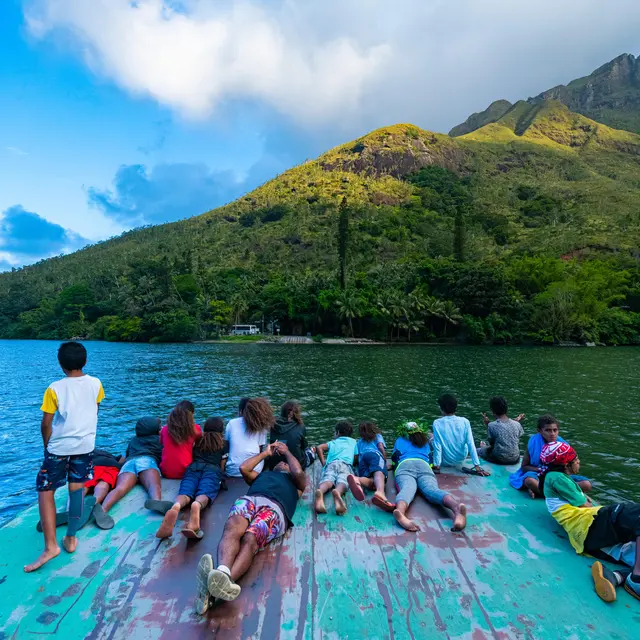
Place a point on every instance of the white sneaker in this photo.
(221, 586)
(202, 601)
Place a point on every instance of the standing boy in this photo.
(69, 422)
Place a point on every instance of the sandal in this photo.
(385, 505)
(190, 534)
(604, 582)
(356, 488)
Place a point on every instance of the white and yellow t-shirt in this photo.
(74, 401)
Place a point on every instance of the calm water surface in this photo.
(594, 392)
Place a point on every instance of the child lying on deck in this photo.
(372, 467)
(607, 533)
(201, 482)
(527, 476)
(339, 465)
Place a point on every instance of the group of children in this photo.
(201, 458)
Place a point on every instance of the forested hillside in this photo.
(526, 229)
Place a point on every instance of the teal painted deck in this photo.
(512, 574)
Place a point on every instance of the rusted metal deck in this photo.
(512, 574)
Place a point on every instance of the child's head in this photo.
(548, 428)
(180, 424)
(242, 404)
(258, 415)
(148, 426)
(187, 405)
(368, 431)
(290, 411)
(418, 439)
(344, 428)
(72, 356)
(561, 457)
(415, 433)
(448, 403)
(498, 406)
(212, 439)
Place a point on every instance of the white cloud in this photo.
(346, 65)
(16, 151)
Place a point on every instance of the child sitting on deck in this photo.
(527, 476)
(289, 428)
(141, 464)
(339, 464)
(504, 434)
(453, 439)
(201, 481)
(607, 533)
(372, 466)
(411, 458)
(177, 438)
(69, 424)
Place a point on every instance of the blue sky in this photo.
(115, 114)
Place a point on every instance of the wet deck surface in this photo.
(512, 574)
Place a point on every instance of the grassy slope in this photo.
(591, 169)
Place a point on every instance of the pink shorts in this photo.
(264, 516)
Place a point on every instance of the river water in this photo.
(595, 393)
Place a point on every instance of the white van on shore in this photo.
(244, 330)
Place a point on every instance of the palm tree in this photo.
(350, 305)
(450, 314)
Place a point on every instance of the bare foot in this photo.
(532, 495)
(194, 518)
(460, 518)
(169, 521)
(404, 522)
(70, 543)
(341, 505)
(319, 504)
(45, 556)
(381, 496)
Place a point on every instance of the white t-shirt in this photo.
(74, 401)
(242, 446)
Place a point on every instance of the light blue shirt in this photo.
(371, 447)
(453, 441)
(342, 449)
(408, 451)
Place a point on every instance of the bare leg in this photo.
(229, 546)
(248, 549)
(533, 487)
(367, 483)
(171, 517)
(124, 484)
(400, 515)
(101, 491)
(150, 480)
(341, 505)
(459, 512)
(194, 517)
(47, 507)
(378, 484)
(319, 496)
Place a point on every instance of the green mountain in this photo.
(610, 95)
(525, 229)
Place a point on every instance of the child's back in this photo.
(342, 449)
(452, 436)
(177, 438)
(146, 442)
(74, 401)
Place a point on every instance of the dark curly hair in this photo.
(368, 431)
(344, 428)
(180, 424)
(212, 439)
(499, 405)
(290, 410)
(258, 415)
(546, 419)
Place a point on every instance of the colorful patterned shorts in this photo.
(265, 520)
(56, 471)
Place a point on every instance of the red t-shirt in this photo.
(176, 457)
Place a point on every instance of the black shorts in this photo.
(201, 480)
(56, 471)
(615, 524)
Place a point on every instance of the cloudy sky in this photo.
(116, 114)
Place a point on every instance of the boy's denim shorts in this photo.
(140, 464)
(201, 480)
(56, 471)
